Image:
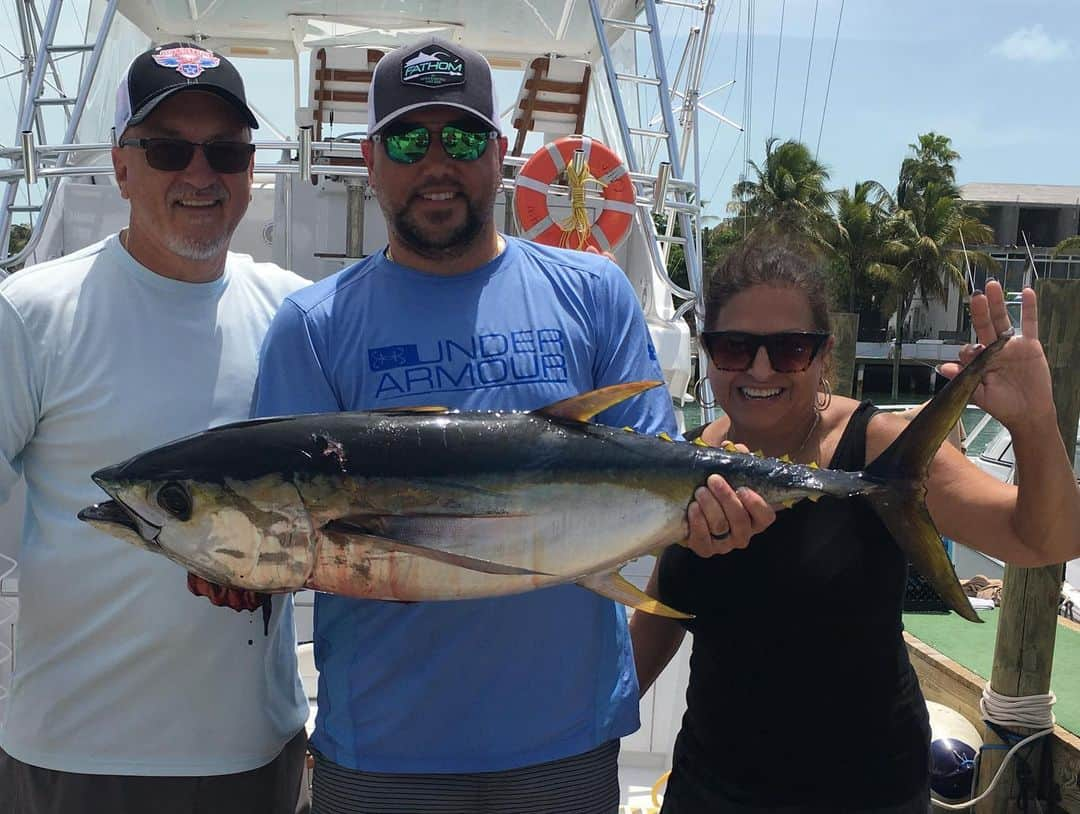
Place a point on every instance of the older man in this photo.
(130, 694)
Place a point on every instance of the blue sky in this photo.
(998, 77)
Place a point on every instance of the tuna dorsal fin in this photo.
(358, 532)
(584, 406)
(614, 586)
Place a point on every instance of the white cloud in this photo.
(1033, 44)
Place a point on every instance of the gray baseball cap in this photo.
(431, 72)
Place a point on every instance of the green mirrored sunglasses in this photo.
(408, 144)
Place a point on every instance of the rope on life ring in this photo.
(582, 159)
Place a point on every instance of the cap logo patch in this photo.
(189, 62)
(433, 68)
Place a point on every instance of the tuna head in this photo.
(239, 528)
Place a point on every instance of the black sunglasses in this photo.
(789, 352)
(175, 154)
(408, 143)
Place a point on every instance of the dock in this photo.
(953, 659)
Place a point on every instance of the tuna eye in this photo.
(174, 499)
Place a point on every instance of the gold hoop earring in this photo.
(697, 395)
(825, 394)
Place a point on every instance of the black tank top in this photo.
(801, 691)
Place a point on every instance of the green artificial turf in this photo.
(973, 646)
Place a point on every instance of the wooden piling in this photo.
(1024, 650)
(845, 328)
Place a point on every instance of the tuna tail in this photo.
(904, 467)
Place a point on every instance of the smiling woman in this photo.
(768, 342)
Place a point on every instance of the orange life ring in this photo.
(541, 170)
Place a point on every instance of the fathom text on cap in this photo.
(431, 72)
(157, 74)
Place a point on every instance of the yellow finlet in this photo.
(760, 453)
(614, 586)
(584, 406)
(665, 437)
(813, 465)
(787, 504)
(728, 446)
(699, 443)
(628, 429)
(785, 458)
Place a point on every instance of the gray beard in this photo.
(200, 250)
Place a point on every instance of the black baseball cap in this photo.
(429, 72)
(157, 74)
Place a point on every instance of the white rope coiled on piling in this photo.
(1029, 711)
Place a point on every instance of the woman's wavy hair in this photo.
(770, 257)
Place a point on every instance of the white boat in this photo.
(562, 66)
(997, 459)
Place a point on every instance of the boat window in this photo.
(1013, 309)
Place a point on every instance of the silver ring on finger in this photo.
(719, 538)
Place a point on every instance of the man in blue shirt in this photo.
(506, 704)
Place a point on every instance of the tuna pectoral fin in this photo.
(585, 405)
(359, 533)
(910, 525)
(614, 586)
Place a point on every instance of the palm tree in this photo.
(1070, 245)
(859, 233)
(788, 191)
(924, 252)
(932, 163)
(20, 235)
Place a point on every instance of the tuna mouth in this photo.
(115, 513)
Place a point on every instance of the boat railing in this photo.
(663, 159)
(30, 121)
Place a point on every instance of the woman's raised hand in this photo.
(1016, 386)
